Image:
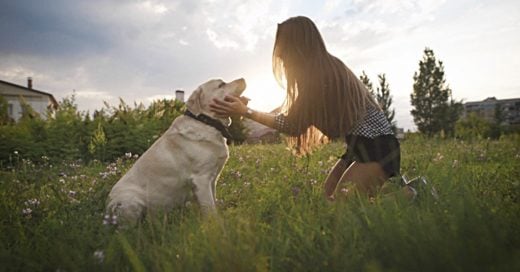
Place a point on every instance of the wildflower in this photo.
(99, 255)
(72, 193)
(247, 183)
(344, 191)
(238, 174)
(128, 155)
(136, 156)
(27, 211)
(439, 157)
(15, 152)
(295, 191)
(62, 181)
(320, 163)
(313, 182)
(455, 163)
(110, 220)
(32, 202)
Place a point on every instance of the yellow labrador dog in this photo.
(184, 162)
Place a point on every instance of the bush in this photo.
(67, 134)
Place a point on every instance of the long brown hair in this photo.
(323, 94)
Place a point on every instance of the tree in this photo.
(382, 96)
(385, 100)
(499, 119)
(434, 110)
(238, 130)
(4, 112)
(364, 78)
(499, 115)
(472, 127)
(98, 142)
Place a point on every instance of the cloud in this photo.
(92, 94)
(49, 28)
(141, 49)
(159, 97)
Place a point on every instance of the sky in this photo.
(141, 51)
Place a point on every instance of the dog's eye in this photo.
(222, 84)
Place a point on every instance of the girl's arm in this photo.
(233, 105)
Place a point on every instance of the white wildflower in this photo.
(32, 202)
(99, 255)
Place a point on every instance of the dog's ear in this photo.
(193, 103)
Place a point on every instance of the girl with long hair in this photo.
(325, 100)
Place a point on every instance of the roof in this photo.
(53, 100)
(492, 100)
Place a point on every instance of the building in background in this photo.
(486, 109)
(260, 134)
(14, 95)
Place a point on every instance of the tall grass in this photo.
(272, 216)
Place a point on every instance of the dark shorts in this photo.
(383, 149)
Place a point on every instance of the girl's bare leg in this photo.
(366, 177)
(333, 178)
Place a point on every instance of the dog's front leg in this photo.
(203, 190)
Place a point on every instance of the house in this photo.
(399, 133)
(486, 109)
(260, 134)
(14, 94)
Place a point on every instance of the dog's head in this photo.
(199, 100)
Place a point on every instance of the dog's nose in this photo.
(241, 83)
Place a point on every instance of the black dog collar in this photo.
(211, 122)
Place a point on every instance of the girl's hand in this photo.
(230, 106)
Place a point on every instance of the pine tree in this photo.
(385, 100)
(364, 78)
(434, 110)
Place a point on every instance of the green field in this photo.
(272, 216)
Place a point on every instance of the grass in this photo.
(273, 217)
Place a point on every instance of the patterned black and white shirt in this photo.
(374, 124)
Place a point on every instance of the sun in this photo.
(264, 92)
